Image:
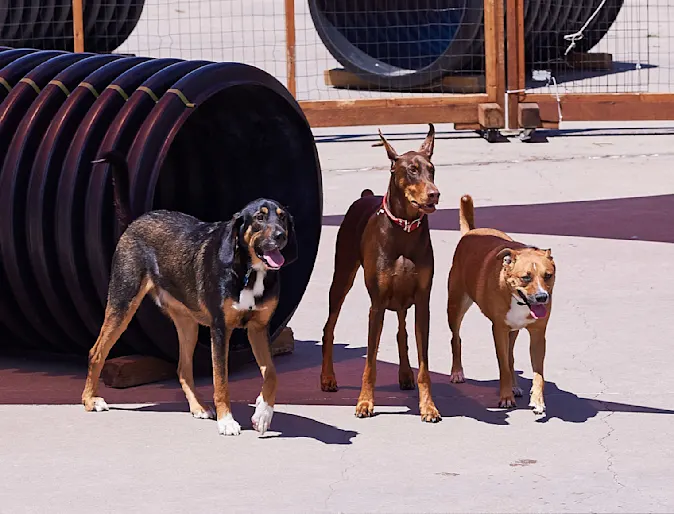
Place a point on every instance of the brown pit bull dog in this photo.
(512, 285)
(389, 237)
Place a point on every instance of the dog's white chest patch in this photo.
(518, 316)
(247, 296)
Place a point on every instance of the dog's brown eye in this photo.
(526, 279)
(547, 276)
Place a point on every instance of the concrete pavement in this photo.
(602, 199)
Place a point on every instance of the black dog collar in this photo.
(524, 299)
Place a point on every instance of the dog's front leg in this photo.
(537, 352)
(220, 335)
(502, 344)
(365, 406)
(258, 335)
(427, 408)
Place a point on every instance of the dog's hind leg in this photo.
(220, 335)
(405, 373)
(502, 343)
(188, 332)
(346, 267)
(123, 300)
(458, 304)
(517, 391)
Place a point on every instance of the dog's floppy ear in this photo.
(390, 151)
(230, 240)
(505, 255)
(429, 143)
(290, 252)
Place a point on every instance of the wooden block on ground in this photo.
(490, 116)
(590, 61)
(284, 343)
(467, 126)
(134, 370)
(529, 115)
(341, 78)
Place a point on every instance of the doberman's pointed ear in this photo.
(390, 151)
(429, 143)
(289, 252)
(506, 256)
(231, 240)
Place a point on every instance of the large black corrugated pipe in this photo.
(200, 137)
(48, 24)
(395, 44)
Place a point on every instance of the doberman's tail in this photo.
(120, 182)
(366, 192)
(466, 214)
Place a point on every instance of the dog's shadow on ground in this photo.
(284, 425)
(299, 385)
(28, 381)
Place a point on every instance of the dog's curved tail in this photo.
(466, 214)
(120, 182)
(366, 192)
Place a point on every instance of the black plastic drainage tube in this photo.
(200, 137)
(397, 44)
(48, 24)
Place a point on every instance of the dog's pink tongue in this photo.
(274, 259)
(538, 311)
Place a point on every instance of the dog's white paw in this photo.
(263, 414)
(204, 414)
(517, 391)
(228, 426)
(538, 406)
(457, 377)
(100, 405)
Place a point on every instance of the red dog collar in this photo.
(407, 226)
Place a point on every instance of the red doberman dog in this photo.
(389, 237)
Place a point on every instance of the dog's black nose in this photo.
(541, 297)
(433, 196)
(279, 236)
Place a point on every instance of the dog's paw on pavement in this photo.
(507, 403)
(457, 377)
(263, 414)
(204, 413)
(365, 409)
(328, 383)
(430, 414)
(228, 426)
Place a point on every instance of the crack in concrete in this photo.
(603, 388)
(340, 480)
(609, 453)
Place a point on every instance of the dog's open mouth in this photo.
(272, 259)
(427, 208)
(538, 311)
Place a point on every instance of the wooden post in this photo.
(78, 26)
(515, 45)
(490, 49)
(290, 46)
(490, 115)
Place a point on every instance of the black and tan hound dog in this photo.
(223, 275)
